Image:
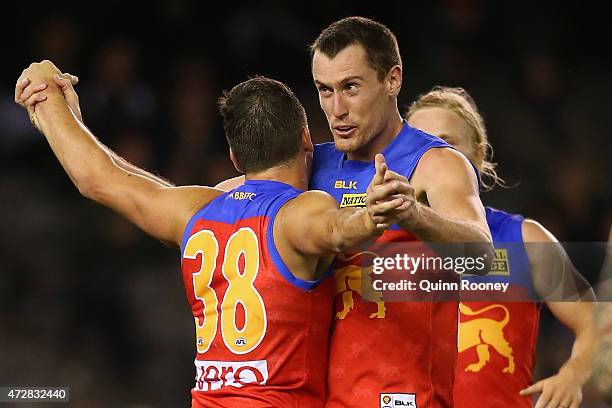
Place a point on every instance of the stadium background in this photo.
(87, 300)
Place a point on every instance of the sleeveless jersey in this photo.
(384, 353)
(497, 340)
(261, 333)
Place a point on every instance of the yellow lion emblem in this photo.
(483, 333)
(348, 280)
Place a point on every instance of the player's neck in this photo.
(392, 128)
(292, 173)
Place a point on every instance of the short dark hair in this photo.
(377, 40)
(263, 122)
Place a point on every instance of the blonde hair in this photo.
(460, 102)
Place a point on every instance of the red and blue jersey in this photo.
(261, 333)
(497, 339)
(384, 352)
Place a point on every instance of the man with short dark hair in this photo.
(253, 259)
(389, 353)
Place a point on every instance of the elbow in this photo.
(93, 182)
(337, 244)
(338, 240)
(90, 187)
(483, 249)
(483, 253)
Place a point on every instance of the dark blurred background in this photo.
(89, 301)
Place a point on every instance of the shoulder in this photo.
(194, 194)
(533, 231)
(443, 156)
(312, 201)
(182, 204)
(192, 198)
(444, 163)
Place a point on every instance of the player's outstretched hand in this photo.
(561, 390)
(387, 199)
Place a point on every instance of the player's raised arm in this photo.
(314, 225)
(159, 210)
(28, 96)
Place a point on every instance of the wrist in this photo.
(413, 222)
(54, 100)
(571, 370)
(369, 224)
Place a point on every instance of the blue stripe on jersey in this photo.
(331, 167)
(506, 231)
(276, 258)
(402, 156)
(269, 197)
(504, 227)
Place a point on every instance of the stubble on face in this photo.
(351, 96)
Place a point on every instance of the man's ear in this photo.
(393, 81)
(234, 160)
(307, 140)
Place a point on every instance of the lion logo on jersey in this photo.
(483, 333)
(348, 279)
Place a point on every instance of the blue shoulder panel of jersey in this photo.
(254, 198)
(512, 262)
(229, 210)
(402, 156)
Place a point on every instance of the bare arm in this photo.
(455, 212)
(314, 225)
(33, 95)
(126, 165)
(161, 211)
(564, 388)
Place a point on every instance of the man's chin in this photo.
(345, 145)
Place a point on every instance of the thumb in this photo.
(381, 168)
(532, 389)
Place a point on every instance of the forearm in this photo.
(351, 227)
(430, 226)
(581, 360)
(127, 166)
(78, 151)
(435, 228)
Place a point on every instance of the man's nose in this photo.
(339, 107)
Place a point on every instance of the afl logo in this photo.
(240, 342)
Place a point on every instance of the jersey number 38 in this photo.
(240, 290)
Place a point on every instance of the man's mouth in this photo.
(345, 131)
